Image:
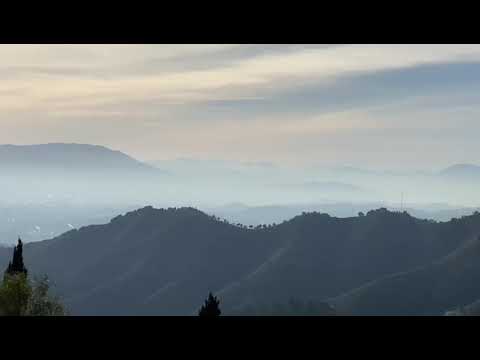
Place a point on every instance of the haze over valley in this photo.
(51, 188)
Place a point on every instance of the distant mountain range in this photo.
(34, 174)
(326, 186)
(268, 214)
(67, 157)
(72, 156)
(165, 261)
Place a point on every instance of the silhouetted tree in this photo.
(20, 297)
(211, 307)
(16, 266)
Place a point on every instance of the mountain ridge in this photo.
(164, 261)
(432, 289)
(68, 156)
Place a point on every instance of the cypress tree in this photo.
(16, 266)
(20, 297)
(211, 307)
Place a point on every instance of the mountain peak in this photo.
(147, 211)
(70, 156)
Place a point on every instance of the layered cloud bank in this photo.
(373, 105)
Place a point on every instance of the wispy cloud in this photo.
(251, 102)
(116, 73)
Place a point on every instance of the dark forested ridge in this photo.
(444, 285)
(147, 262)
(165, 261)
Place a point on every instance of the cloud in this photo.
(118, 72)
(248, 102)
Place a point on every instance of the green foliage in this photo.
(15, 293)
(41, 303)
(20, 297)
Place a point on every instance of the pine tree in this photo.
(211, 307)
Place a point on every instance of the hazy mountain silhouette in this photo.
(326, 186)
(87, 174)
(157, 261)
(67, 157)
(255, 215)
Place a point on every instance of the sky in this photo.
(374, 106)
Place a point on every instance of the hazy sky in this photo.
(389, 106)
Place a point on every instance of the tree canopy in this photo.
(21, 297)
